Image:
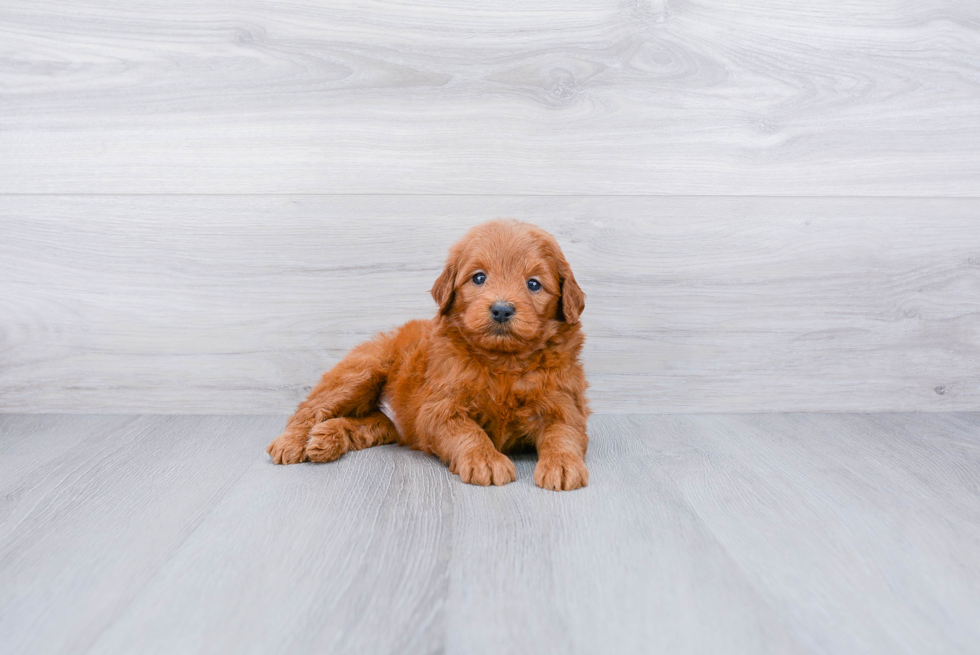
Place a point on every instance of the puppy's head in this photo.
(507, 286)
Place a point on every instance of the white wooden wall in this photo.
(772, 204)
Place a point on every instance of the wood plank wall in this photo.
(772, 205)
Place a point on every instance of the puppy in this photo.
(496, 369)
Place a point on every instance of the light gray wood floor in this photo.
(782, 533)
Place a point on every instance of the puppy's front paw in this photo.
(561, 472)
(485, 467)
(287, 448)
(328, 440)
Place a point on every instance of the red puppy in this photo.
(497, 368)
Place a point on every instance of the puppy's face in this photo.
(507, 286)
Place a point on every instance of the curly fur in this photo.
(462, 386)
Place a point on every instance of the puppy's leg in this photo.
(466, 448)
(561, 457)
(335, 436)
(349, 388)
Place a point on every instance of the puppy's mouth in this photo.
(500, 330)
(499, 338)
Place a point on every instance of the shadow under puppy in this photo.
(496, 370)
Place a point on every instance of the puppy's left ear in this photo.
(444, 289)
(572, 301)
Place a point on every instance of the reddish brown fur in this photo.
(457, 388)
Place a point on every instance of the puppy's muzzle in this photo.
(501, 311)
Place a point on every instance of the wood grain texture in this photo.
(351, 558)
(779, 533)
(623, 567)
(868, 505)
(773, 97)
(97, 506)
(238, 304)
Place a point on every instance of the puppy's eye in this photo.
(479, 278)
(533, 285)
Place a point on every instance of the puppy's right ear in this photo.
(444, 289)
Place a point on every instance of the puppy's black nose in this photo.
(502, 311)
